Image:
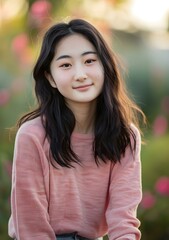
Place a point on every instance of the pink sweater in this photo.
(88, 199)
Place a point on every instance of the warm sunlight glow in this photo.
(151, 13)
(9, 9)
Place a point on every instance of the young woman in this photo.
(76, 168)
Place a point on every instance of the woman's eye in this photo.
(89, 61)
(65, 65)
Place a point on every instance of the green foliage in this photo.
(155, 160)
(154, 212)
(5, 166)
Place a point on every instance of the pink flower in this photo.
(160, 125)
(20, 47)
(40, 12)
(20, 44)
(162, 186)
(40, 9)
(4, 97)
(148, 200)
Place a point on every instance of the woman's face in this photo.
(76, 70)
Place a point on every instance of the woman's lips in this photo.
(83, 87)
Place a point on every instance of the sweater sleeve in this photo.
(29, 204)
(125, 194)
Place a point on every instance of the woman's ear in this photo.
(50, 79)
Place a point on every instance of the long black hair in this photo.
(114, 111)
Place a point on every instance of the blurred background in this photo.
(138, 32)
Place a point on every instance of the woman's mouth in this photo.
(83, 87)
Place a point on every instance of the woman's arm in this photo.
(125, 194)
(29, 205)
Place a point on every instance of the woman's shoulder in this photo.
(135, 138)
(136, 131)
(33, 127)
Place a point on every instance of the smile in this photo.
(83, 87)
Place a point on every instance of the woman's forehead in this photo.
(73, 44)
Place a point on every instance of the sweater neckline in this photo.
(83, 135)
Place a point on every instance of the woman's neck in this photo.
(85, 116)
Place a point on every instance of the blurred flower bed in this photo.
(153, 210)
(148, 81)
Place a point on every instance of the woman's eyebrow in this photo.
(88, 52)
(68, 56)
(63, 56)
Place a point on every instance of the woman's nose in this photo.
(80, 74)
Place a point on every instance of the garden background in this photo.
(139, 34)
